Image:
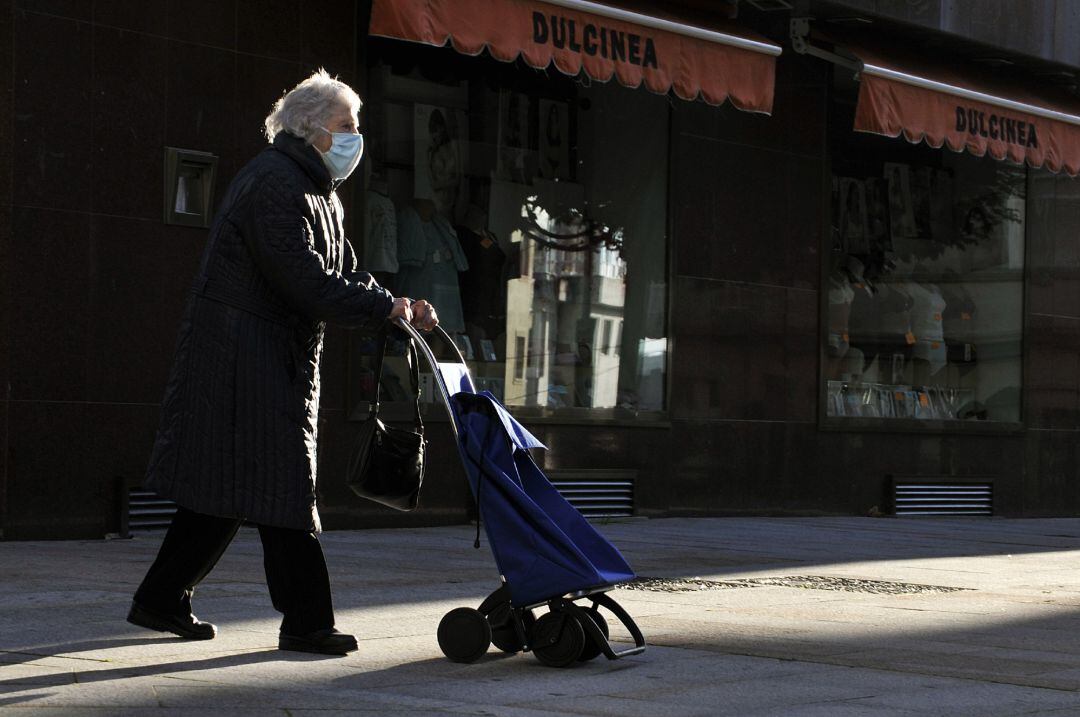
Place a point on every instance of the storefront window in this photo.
(925, 286)
(531, 209)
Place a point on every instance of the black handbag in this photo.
(387, 464)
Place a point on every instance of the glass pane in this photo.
(925, 291)
(531, 210)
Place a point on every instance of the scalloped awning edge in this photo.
(603, 46)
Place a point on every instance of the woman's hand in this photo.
(424, 316)
(402, 308)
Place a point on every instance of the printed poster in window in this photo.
(513, 137)
(941, 205)
(853, 228)
(439, 156)
(877, 214)
(554, 140)
(834, 205)
(919, 182)
(989, 216)
(901, 208)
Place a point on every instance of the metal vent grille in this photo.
(146, 511)
(597, 493)
(943, 498)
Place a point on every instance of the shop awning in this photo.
(603, 40)
(966, 107)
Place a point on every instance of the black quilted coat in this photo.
(238, 425)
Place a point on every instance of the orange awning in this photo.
(966, 108)
(661, 53)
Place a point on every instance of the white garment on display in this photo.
(841, 295)
(430, 258)
(896, 321)
(380, 238)
(927, 325)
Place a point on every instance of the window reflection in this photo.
(925, 292)
(570, 295)
(531, 209)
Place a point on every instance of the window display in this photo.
(531, 209)
(925, 287)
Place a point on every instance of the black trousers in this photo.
(295, 570)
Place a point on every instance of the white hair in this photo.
(306, 108)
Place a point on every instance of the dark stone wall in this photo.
(1048, 29)
(1052, 339)
(6, 16)
(748, 205)
(94, 282)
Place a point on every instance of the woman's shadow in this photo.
(65, 649)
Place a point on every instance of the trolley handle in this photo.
(415, 334)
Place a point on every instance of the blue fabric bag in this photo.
(543, 546)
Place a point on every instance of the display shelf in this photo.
(881, 400)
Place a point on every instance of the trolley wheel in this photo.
(593, 648)
(464, 634)
(558, 639)
(503, 633)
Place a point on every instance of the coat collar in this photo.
(307, 157)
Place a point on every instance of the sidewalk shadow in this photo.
(166, 668)
(492, 666)
(62, 649)
(4, 701)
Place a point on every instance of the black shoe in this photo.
(188, 626)
(323, 642)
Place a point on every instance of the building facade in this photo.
(684, 242)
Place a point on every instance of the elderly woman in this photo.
(238, 426)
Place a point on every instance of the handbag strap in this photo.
(413, 360)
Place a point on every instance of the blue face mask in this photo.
(344, 154)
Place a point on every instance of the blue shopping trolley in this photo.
(550, 559)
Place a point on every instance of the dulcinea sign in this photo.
(545, 35)
(617, 45)
(1014, 131)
